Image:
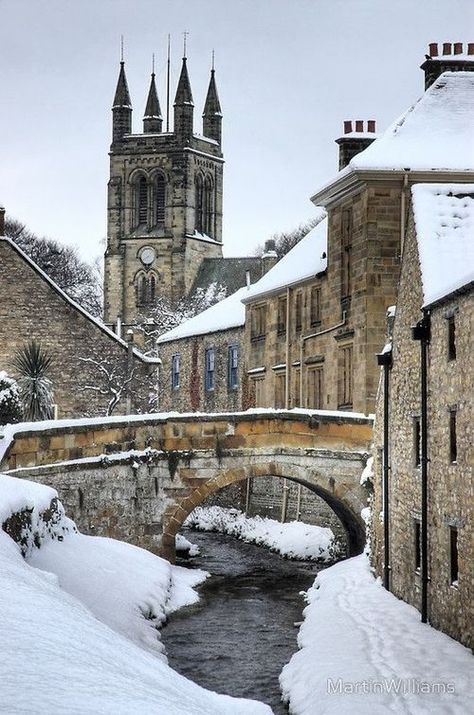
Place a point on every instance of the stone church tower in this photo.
(164, 201)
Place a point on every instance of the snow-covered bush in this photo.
(10, 404)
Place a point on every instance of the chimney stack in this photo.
(353, 142)
(2, 221)
(270, 256)
(455, 57)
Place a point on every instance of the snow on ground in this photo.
(294, 539)
(124, 586)
(359, 645)
(57, 656)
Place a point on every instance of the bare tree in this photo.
(113, 380)
(286, 240)
(82, 282)
(164, 316)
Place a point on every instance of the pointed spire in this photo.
(183, 91)
(183, 107)
(122, 95)
(212, 115)
(152, 121)
(122, 107)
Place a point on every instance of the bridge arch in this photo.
(342, 499)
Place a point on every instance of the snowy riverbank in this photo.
(80, 617)
(294, 540)
(364, 651)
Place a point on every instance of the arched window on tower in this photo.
(199, 186)
(208, 208)
(146, 288)
(160, 200)
(142, 201)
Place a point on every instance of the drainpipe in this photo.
(304, 338)
(384, 359)
(284, 501)
(403, 199)
(422, 332)
(298, 503)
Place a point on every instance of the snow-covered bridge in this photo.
(138, 477)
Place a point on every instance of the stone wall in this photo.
(192, 394)
(368, 226)
(32, 308)
(450, 486)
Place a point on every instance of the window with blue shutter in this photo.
(233, 367)
(175, 369)
(210, 369)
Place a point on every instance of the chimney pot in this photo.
(470, 48)
(458, 48)
(347, 127)
(433, 49)
(446, 48)
(359, 125)
(371, 125)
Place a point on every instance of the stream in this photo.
(239, 636)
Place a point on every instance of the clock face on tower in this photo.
(147, 255)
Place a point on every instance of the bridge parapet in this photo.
(33, 444)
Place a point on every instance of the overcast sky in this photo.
(288, 71)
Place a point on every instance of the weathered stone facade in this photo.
(32, 307)
(450, 481)
(192, 392)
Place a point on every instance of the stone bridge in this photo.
(137, 478)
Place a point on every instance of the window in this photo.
(208, 213)
(416, 441)
(259, 391)
(280, 390)
(453, 546)
(451, 338)
(453, 446)
(199, 219)
(281, 324)
(298, 312)
(210, 369)
(142, 202)
(233, 376)
(417, 526)
(315, 311)
(315, 389)
(297, 393)
(346, 246)
(258, 322)
(175, 371)
(345, 376)
(145, 287)
(160, 200)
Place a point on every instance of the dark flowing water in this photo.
(237, 639)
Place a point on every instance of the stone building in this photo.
(423, 516)
(89, 362)
(164, 236)
(311, 339)
(202, 361)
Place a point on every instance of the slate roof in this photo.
(228, 272)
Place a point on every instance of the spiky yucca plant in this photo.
(32, 364)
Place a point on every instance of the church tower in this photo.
(164, 200)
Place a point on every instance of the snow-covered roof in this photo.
(227, 313)
(444, 219)
(304, 261)
(435, 133)
(75, 305)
